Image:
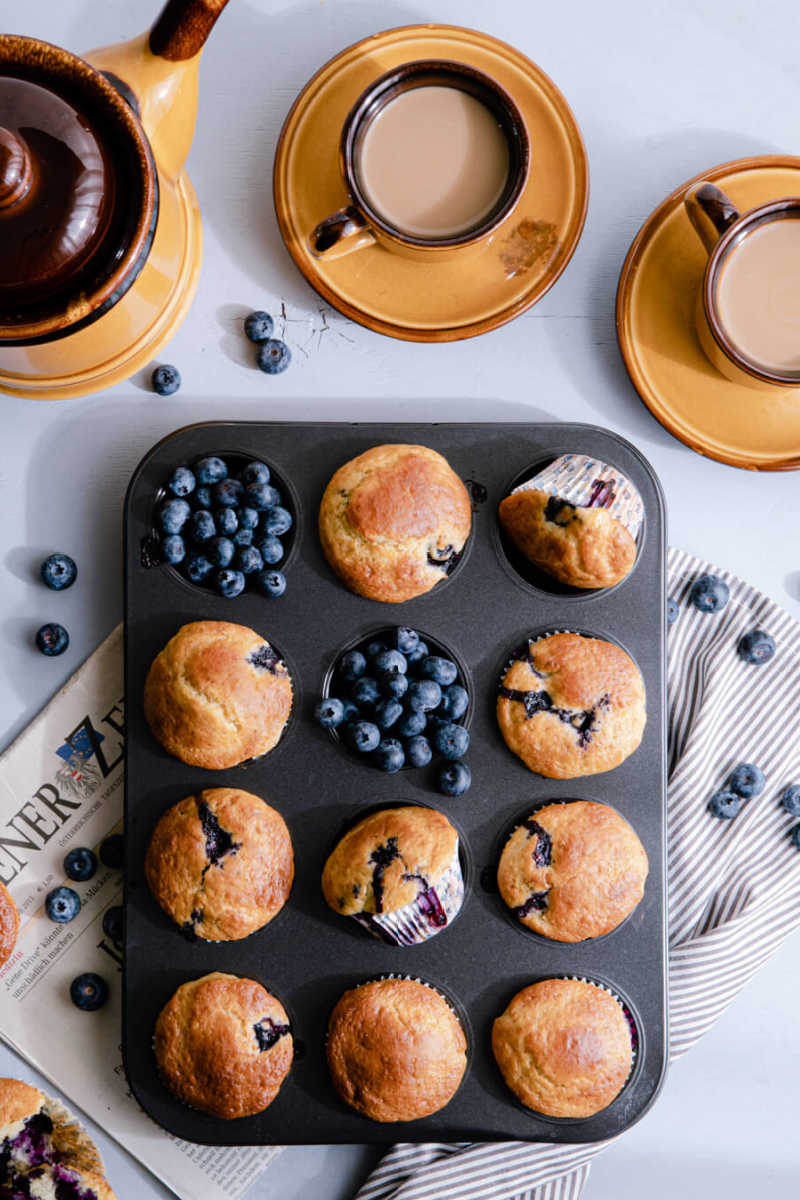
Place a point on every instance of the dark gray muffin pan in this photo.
(308, 955)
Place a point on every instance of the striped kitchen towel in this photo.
(734, 885)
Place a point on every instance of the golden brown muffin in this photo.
(583, 547)
(393, 521)
(224, 1045)
(572, 706)
(396, 1050)
(9, 924)
(42, 1143)
(220, 864)
(397, 872)
(564, 1047)
(572, 871)
(217, 694)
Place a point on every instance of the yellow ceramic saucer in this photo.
(758, 428)
(465, 295)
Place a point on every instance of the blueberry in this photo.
(329, 713)
(227, 493)
(390, 755)
(271, 549)
(243, 537)
(166, 380)
(221, 551)
(406, 640)
(756, 647)
(724, 804)
(418, 751)
(454, 702)
(182, 482)
(273, 356)
(112, 924)
(440, 670)
(112, 851)
(248, 559)
(790, 799)
(80, 864)
(390, 662)
(52, 639)
(364, 736)
(62, 905)
(271, 582)
(709, 593)
(201, 527)
(210, 470)
(794, 834)
(226, 521)
(351, 666)
(248, 518)
(88, 991)
(173, 549)
(388, 713)
(59, 571)
(418, 653)
(423, 695)
(392, 686)
(374, 649)
(262, 496)
(453, 778)
(277, 520)
(197, 566)
(411, 723)
(202, 497)
(229, 583)
(365, 691)
(258, 326)
(450, 740)
(747, 780)
(672, 610)
(173, 515)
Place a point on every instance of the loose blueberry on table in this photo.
(747, 780)
(790, 799)
(756, 647)
(166, 380)
(273, 356)
(52, 639)
(258, 326)
(709, 593)
(62, 905)
(59, 571)
(672, 610)
(80, 864)
(724, 804)
(88, 991)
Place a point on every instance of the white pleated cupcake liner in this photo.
(412, 924)
(590, 483)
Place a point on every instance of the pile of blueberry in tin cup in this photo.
(223, 528)
(397, 704)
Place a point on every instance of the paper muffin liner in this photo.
(431, 912)
(590, 483)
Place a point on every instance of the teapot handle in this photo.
(181, 30)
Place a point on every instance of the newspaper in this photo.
(61, 785)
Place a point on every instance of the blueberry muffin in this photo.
(393, 521)
(572, 871)
(220, 864)
(43, 1150)
(564, 1047)
(9, 924)
(396, 1050)
(224, 1045)
(397, 873)
(580, 546)
(217, 694)
(571, 705)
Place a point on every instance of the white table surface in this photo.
(660, 91)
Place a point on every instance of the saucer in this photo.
(753, 427)
(474, 291)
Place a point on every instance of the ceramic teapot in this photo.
(100, 233)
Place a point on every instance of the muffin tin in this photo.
(308, 955)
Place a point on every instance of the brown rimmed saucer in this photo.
(744, 426)
(470, 293)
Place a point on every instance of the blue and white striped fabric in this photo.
(734, 885)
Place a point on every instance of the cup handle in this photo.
(710, 211)
(341, 233)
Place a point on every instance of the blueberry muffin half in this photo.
(396, 1050)
(44, 1152)
(572, 871)
(217, 694)
(224, 1045)
(220, 864)
(397, 873)
(9, 924)
(570, 705)
(393, 521)
(564, 1047)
